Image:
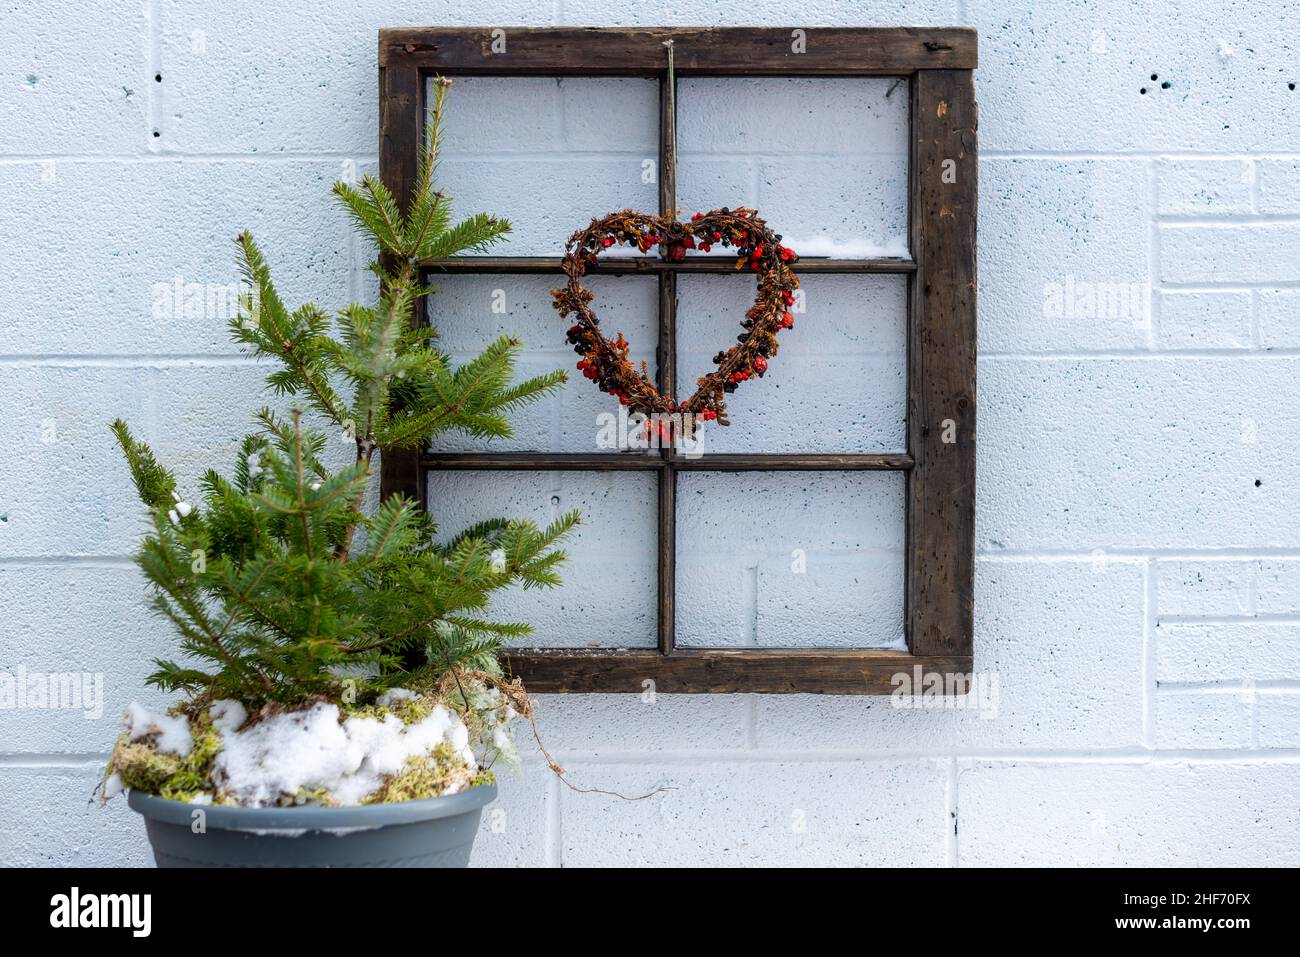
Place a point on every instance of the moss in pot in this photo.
(340, 697)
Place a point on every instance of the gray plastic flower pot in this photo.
(436, 832)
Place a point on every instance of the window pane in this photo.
(790, 559)
(839, 381)
(610, 580)
(471, 311)
(549, 154)
(830, 176)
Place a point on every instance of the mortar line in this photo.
(1245, 618)
(158, 155)
(1230, 686)
(1132, 755)
(1187, 220)
(554, 823)
(1132, 553)
(1116, 555)
(954, 819)
(1149, 651)
(153, 55)
(1154, 314)
(161, 360)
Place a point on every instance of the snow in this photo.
(172, 735)
(227, 715)
(312, 749)
(893, 248)
(113, 786)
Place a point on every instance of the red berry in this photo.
(607, 241)
(760, 364)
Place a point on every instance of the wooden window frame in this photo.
(940, 458)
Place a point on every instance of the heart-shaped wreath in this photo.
(605, 361)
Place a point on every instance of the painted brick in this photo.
(1258, 253)
(102, 627)
(513, 829)
(232, 84)
(64, 95)
(1188, 187)
(655, 13)
(1068, 633)
(1279, 318)
(483, 115)
(644, 722)
(1228, 651)
(1204, 320)
(1277, 591)
(750, 814)
(67, 492)
(1187, 720)
(1240, 587)
(840, 116)
(539, 194)
(1104, 453)
(563, 158)
(705, 182)
(1134, 815)
(839, 382)
(840, 161)
(1069, 77)
(1279, 186)
(49, 820)
(865, 591)
(842, 527)
(1206, 587)
(609, 594)
(1277, 716)
(151, 247)
(814, 201)
(1063, 255)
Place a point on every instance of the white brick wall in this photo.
(1138, 582)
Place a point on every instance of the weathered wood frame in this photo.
(940, 457)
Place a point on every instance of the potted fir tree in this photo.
(341, 697)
